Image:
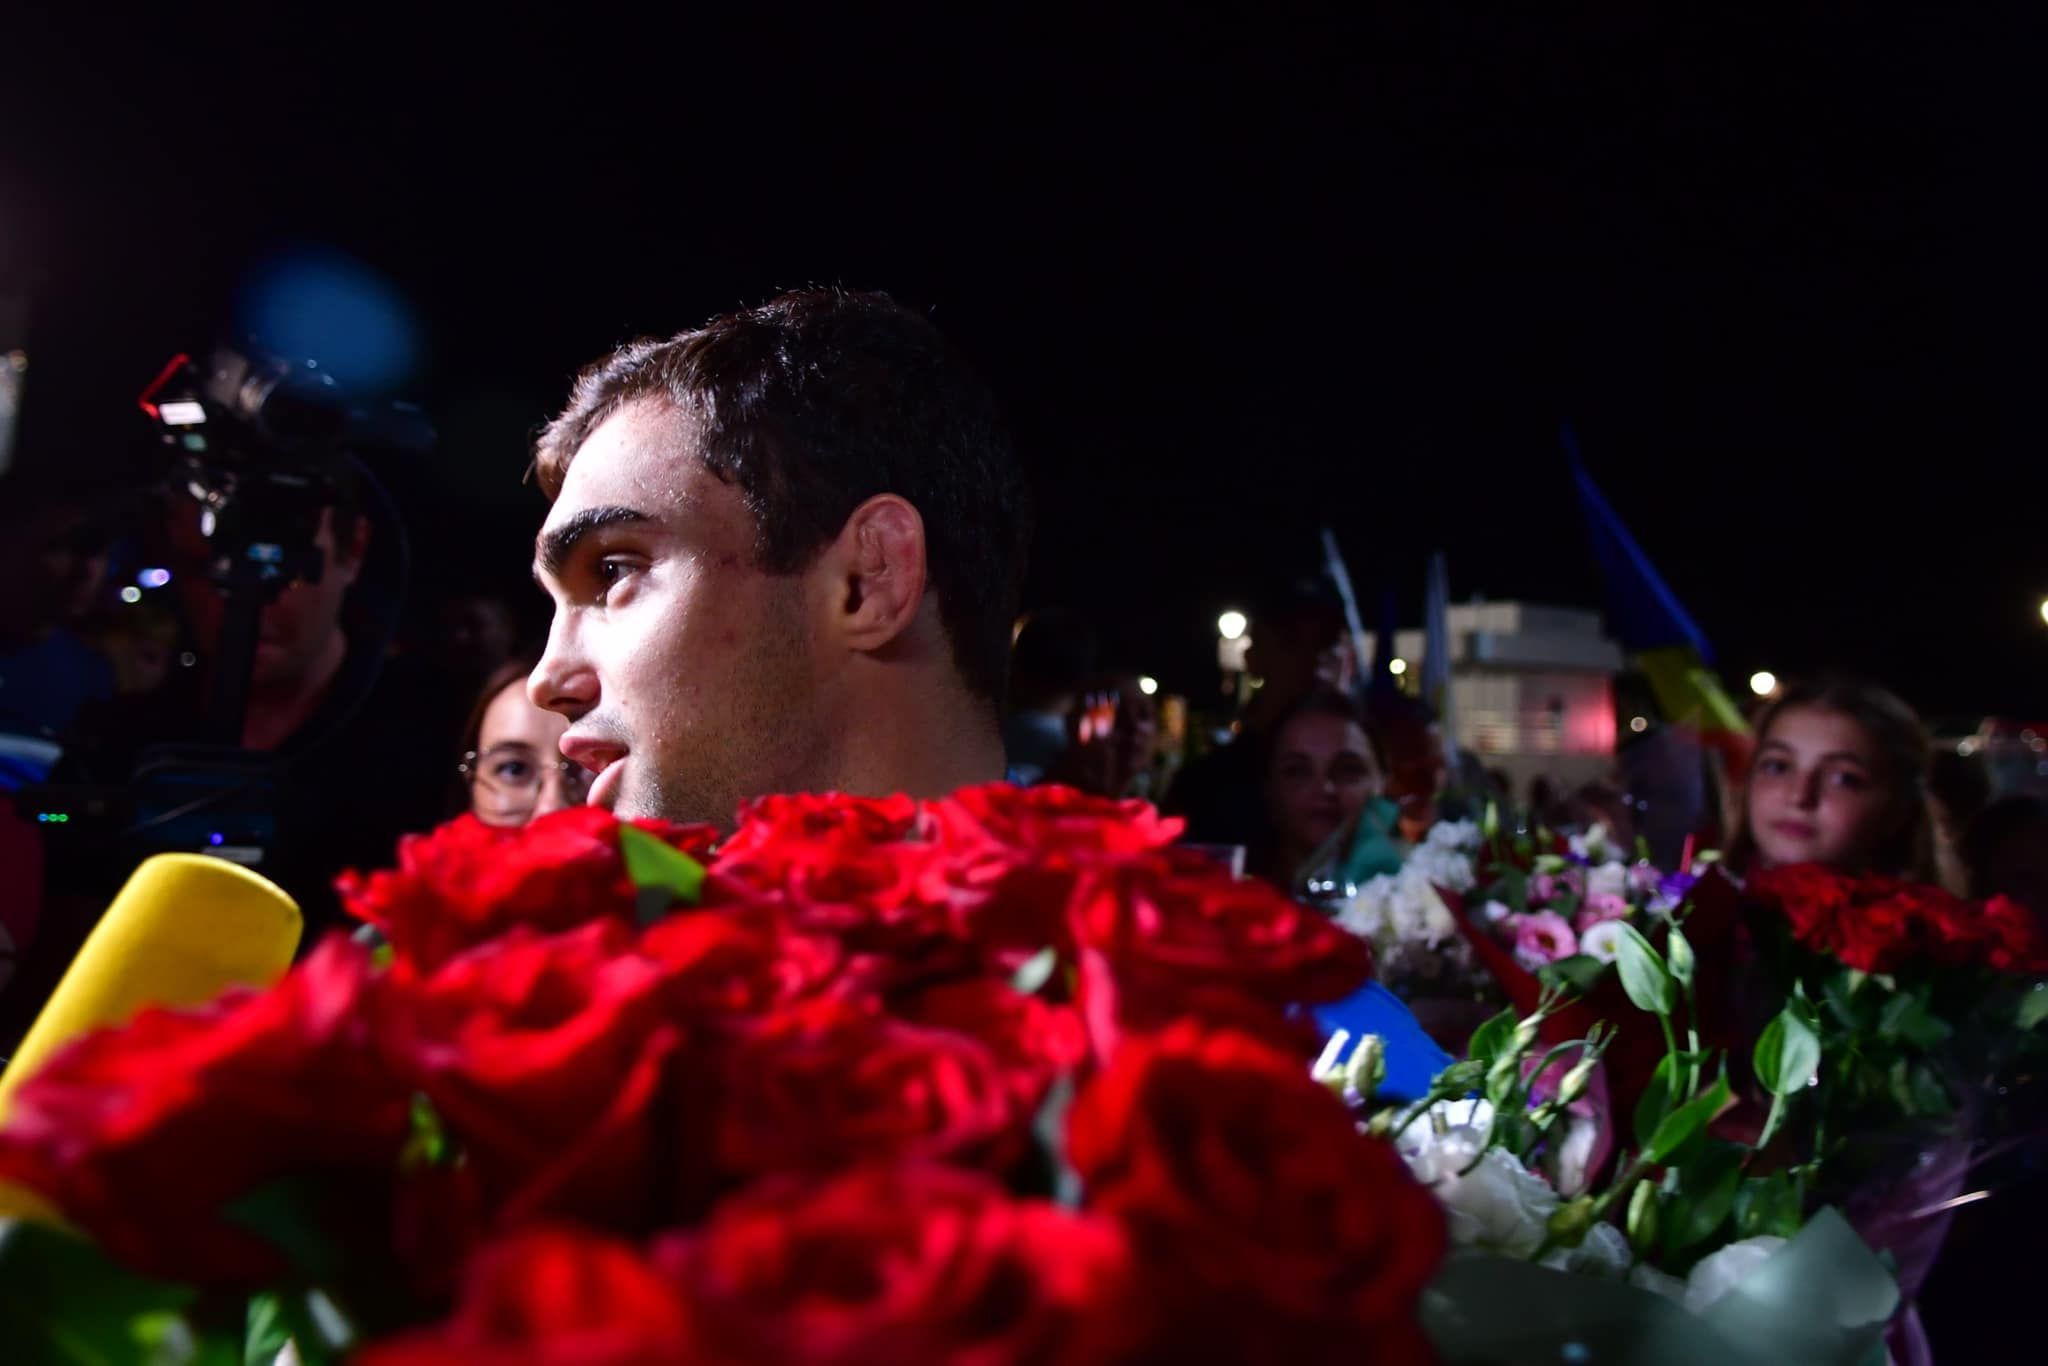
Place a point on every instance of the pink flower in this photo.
(1573, 880)
(1599, 909)
(1543, 937)
(1542, 888)
(1644, 877)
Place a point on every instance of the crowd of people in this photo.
(1306, 778)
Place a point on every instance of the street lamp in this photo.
(1763, 682)
(1397, 667)
(1148, 685)
(1231, 625)
(2044, 610)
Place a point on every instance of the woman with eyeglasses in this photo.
(512, 764)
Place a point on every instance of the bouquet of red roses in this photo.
(1001, 1077)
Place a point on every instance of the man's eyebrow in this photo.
(552, 549)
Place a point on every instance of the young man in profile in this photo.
(785, 552)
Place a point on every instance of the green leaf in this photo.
(1686, 1121)
(1767, 1204)
(1643, 975)
(1036, 971)
(1502, 1078)
(1678, 951)
(1710, 1186)
(266, 1332)
(1493, 1038)
(1930, 1097)
(63, 1301)
(1579, 973)
(287, 1213)
(2033, 1006)
(1656, 1099)
(1787, 1055)
(658, 867)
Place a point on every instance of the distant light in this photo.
(182, 414)
(153, 578)
(1397, 667)
(54, 817)
(1231, 625)
(1763, 682)
(131, 594)
(216, 839)
(2044, 609)
(1148, 686)
(187, 659)
(1639, 724)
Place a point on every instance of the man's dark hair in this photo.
(817, 401)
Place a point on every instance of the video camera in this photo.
(264, 446)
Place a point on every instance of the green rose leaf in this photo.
(665, 875)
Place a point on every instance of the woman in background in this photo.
(512, 765)
(1323, 779)
(1839, 779)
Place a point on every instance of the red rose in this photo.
(1271, 1227)
(828, 1083)
(463, 883)
(1050, 823)
(2012, 935)
(544, 1057)
(738, 959)
(1179, 936)
(778, 830)
(903, 1264)
(145, 1135)
(548, 1297)
(1013, 855)
(1033, 1040)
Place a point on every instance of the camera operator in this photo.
(343, 721)
(286, 737)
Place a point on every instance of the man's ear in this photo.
(879, 572)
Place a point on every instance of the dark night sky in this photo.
(1231, 279)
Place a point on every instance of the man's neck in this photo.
(278, 710)
(928, 743)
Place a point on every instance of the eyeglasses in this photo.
(506, 781)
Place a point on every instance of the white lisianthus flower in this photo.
(1369, 913)
(1720, 1273)
(1496, 911)
(1591, 846)
(1453, 835)
(1474, 1113)
(1608, 879)
(1445, 867)
(1603, 941)
(1498, 1204)
(1604, 1252)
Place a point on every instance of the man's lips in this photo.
(603, 758)
(604, 791)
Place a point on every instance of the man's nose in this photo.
(564, 681)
